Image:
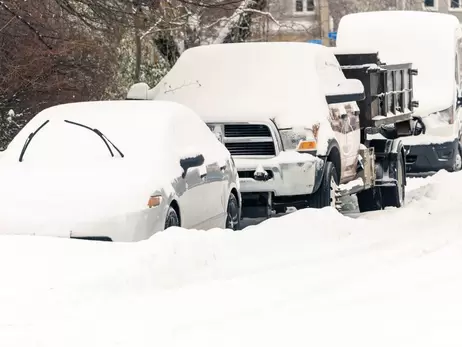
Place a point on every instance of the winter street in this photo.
(230, 173)
(311, 277)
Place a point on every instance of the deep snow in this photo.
(311, 278)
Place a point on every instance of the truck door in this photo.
(337, 122)
(353, 138)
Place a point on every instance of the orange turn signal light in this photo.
(306, 146)
(154, 201)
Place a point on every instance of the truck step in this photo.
(350, 188)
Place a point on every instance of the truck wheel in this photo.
(325, 195)
(394, 196)
(370, 200)
(172, 219)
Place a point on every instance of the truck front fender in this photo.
(332, 155)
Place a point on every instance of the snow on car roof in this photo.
(245, 80)
(130, 125)
(427, 40)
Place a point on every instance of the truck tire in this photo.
(394, 196)
(172, 219)
(325, 195)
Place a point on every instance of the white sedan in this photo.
(116, 171)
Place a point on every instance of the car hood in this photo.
(60, 197)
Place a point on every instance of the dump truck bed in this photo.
(388, 88)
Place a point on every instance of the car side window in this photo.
(194, 137)
(456, 70)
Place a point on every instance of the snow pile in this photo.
(314, 277)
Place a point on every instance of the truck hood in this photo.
(59, 199)
(431, 102)
(281, 82)
(227, 110)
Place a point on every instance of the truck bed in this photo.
(388, 88)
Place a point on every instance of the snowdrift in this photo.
(312, 278)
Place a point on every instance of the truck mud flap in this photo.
(387, 152)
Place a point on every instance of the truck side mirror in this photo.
(139, 91)
(348, 90)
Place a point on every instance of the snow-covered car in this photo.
(116, 171)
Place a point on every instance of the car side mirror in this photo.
(459, 100)
(348, 90)
(190, 162)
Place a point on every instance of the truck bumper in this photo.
(289, 179)
(430, 158)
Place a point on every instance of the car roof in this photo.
(117, 110)
(128, 120)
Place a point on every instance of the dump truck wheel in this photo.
(370, 200)
(394, 196)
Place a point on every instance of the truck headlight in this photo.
(217, 130)
(301, 140)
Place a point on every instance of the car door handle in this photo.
(223, 168)
(203, 176)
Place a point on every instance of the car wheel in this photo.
(172, 219)
(457, 166)
(232, 213)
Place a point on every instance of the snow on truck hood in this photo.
(248, 82)
(427, 40)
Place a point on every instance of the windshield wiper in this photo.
(29, 139)
(100, 134)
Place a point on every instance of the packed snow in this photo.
(314, 277)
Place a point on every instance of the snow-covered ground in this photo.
(311, 278)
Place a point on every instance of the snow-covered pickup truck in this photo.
(290, 119)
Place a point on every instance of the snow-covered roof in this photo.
(131, 125)
(248, 81)
(425, 39)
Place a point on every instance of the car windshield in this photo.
(64, 142)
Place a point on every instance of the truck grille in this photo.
(251, 148)
(249, 139)
(247, 130)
